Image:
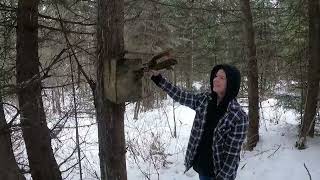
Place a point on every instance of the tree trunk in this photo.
(9, 169)
(313, 72)
(253, 93)
(189, 67)
(136, 110)
(34, 126)
(311, 132)
(110, 116)
(173, 107)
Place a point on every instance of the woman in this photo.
(219, 127)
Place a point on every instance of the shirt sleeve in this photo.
(185, 98)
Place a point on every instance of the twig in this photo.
(88, 79)
(76, 117)
(66, 21)
(304, 164)
(5, 7)
(261, 152)
(68, 158)
(135, 157)
(167, 118)
(61, 30)
(243, 166)
(275, 151)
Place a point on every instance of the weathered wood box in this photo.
(122, 83)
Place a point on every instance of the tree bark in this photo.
(9, 169)
(253, 92)
(110, 116)
(34, 126)
(313, 72)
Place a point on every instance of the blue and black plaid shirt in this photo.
(228, 136)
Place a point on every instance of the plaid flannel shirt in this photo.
(228, 136)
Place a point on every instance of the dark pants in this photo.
(205, 178)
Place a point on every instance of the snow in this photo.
(153, 153)
(275, 156)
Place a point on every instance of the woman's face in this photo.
(220, 83)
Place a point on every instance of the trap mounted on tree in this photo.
(123, 78)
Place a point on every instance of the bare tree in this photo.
(34, 126)
(313, 72)
(253, 93)
(110, 116)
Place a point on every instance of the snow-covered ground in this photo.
(274, 158)
(153, 153)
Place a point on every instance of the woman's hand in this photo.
(151, 73)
